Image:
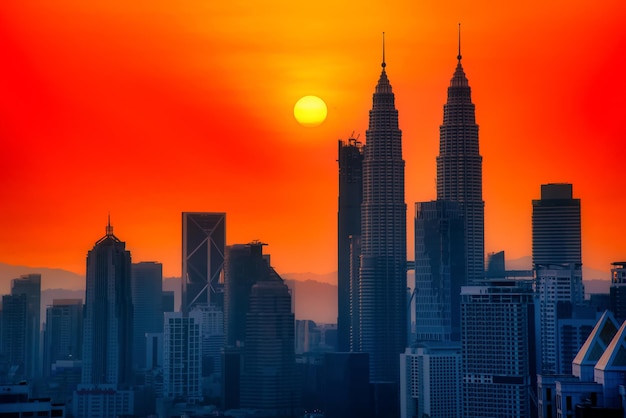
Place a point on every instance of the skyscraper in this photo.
(147, 290)
(30, 286)
(459, 168)
(348, 226)
(204, 238)
(556, 226)
(14, 335)
(382, 287)
(439, 270)
(557, 261)
(244, 266)
(108, 321)
(63, 339)
(268, 378)
(497, 333)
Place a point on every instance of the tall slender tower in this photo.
(459, 167)
(382, 287)
(348, 227)
(108, 321)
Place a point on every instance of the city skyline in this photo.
(64, 113)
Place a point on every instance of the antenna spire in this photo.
(459, 56)
(383, 64)
(109, 227)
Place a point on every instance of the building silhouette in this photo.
(557, 262)
(617, 291)
(268, 378)
(30, 286)
(439, 270)
(244, 266)
(497, 334)
(556, 226)
(204, 238)
(147, 291)
(350, 159)
(382, 287)
(63, 337)
(459, 168)
(182, 356)
(108, 320)
(14, 336)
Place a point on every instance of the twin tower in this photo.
(373, 297)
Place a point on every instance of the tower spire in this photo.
(109, 228)
(459, 56)
(383, 64)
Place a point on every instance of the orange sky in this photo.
(145, 109)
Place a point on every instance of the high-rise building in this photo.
(459, 168)
(439, 270)
(348, 225)
(108, 317)
(244, 266)
(556, 227)
(30, 285)
(430, 380)
(382, 287)
(497, 334)
(182, 356)
(14, 335)
(557, 262)
(617, 291)
(147, 290)
(63, 338)
(355, 295)
(204, 238)
(268, 377)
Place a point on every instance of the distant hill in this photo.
(50, 278)
(330, 278)
(314, 300)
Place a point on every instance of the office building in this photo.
(63, 338)
(16, 401)
(382, 287)
(355, 293)
(14, 336)
(350, 159)
(182, 356)
(497, 334)
(244, 266)
(556, 227)
(617, 291)
(557, 262)
(459, 168)
(147, 290)
(430, 380)
(30, 285)
(268, 378)
(108, 315)
(204, 238)
(439, 270)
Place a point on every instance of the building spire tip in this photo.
(384, 64)
(459, 56)
(109, 228)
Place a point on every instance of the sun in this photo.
(310, 111)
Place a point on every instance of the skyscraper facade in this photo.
(439, 270)
(348, 225)
(268, 377)
(108, 320)
(459, 168)
(557, 262)
(245, 265)
(63, 338)
(14, 335)
(556, 226)
(147, 288)
(382, 287)
(617, 291)
(204, 238)
(30, 286)
(497, 335)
